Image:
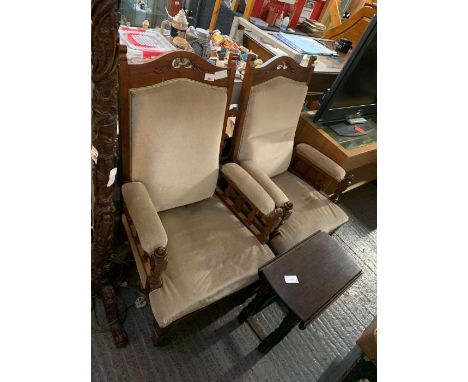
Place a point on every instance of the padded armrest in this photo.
(148, 225)
(320, 160)
(249, 187)
(265, 181)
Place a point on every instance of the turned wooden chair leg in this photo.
(342, 186)
(287, 211)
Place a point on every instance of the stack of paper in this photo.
(304, 45)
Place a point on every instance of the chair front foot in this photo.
(160, 337)
(157, 340)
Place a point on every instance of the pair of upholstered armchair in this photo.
(199, 232)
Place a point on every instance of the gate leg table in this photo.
(306, 279)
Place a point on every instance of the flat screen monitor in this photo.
(354, 92)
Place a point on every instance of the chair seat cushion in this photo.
(312, 212)
(211, 254)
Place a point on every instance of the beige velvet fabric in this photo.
(265, 181)
(176, 129)
(145, 217)
(211, 254)
(249, 187)
(270, 124)
(314, 156)
(312, 212)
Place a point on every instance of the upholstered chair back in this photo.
(176, 133)
(175, 130)
(270, 124)
(272, 105)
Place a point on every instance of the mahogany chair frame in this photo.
(179, 64)
(284, 67)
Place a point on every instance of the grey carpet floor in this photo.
(212, 346)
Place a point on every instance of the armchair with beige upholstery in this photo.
(271, 100)
(189, 248)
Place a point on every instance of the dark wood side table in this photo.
(324, 271)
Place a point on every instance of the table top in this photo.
(348, 145)
(323, 64)
(324, 270)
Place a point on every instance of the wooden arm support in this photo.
(158, 264)
(318, 178)
(261, 225)
(279, 197)
(342, 186)
(287, 211)
(154, 263)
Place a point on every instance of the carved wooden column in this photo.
(105, 53)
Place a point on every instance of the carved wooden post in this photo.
(342, 186)
(104, 56)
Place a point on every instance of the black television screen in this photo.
(354, 92)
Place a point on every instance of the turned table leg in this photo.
(289, 322)
(264, 297)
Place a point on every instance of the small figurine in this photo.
(179, 23)
(145, 24)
